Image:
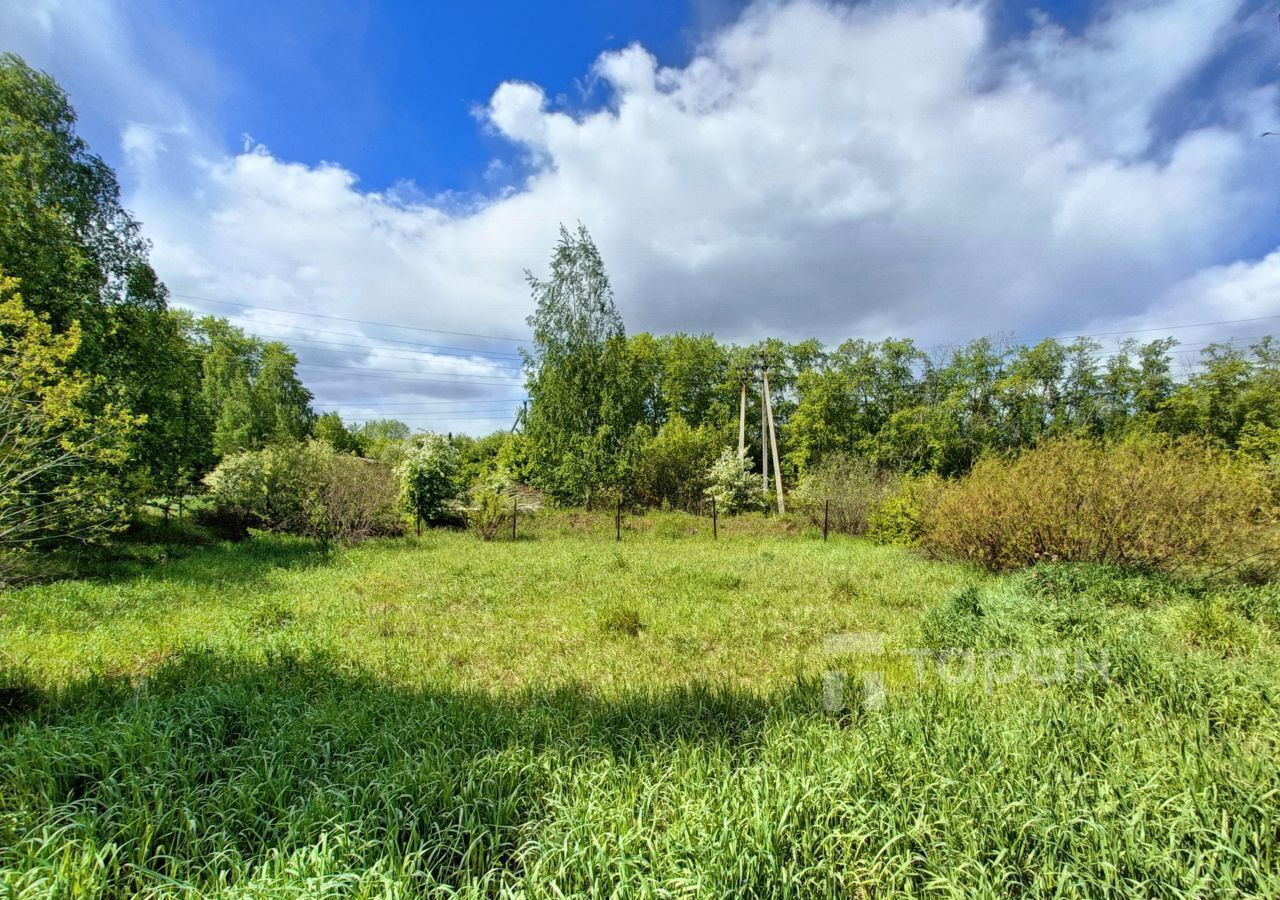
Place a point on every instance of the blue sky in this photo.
(803, 168)
(389, 89)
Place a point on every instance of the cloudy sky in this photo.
(929, 169)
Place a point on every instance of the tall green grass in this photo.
(586, 726)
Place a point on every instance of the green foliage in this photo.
(734, 486)
(585, 396)
(251, 390)
(850, 488)
(275, 488)
(333, 431)
(428, 478)
(383, 439)
(494, 501)
(490, 510)
(59, 462)
(851, 396)
(478, 457)
(904, 511)
(672, 466)
(307, 489)
(1149, 503)
(83, 266)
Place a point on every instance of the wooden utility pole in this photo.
(764, 436)
(742, 418)
(715, 522)
(773, 439)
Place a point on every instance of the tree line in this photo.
(646, 415)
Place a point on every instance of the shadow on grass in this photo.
(220, 562)
(239, 761)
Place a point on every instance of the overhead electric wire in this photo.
(242, 305)
(498, 378)
(507, 359)
(349, 349)
(1095, 334)
(356, 372)
(370, 337)
(470, 403)
(296, 312)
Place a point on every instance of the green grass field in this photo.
(566, 715)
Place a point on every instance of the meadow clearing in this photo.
(567, 715)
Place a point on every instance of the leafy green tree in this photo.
(696, 381)
(1134, 386)
(429, 478)
(175, 449)
(58, 461)
(251, 390)
(849, 396)
(586, 395)
(478, 457)
(82, 262)
(330, 429)
(282, 405)
(333, 431)
(384, 439)
(673, 464)
(63, 231)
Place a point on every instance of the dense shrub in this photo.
(904, 509)
(493, 501)
(852, 487)
(356, 500)
(672, 467)
(429, 478)
(1149, 503)
(275, 488)
(733, 485)
(478, 457)
(307, 489)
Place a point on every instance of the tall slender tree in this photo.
(586, 396)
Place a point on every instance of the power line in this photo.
(336, 347)
(1095, 334)
(295, 312)
(497, 417)
(469, 404)
(1174, 327)
(429, 381)
(385, 340)
(410, 371)
(504, 371)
